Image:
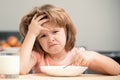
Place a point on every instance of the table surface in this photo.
(80, 77)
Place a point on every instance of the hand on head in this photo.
(36, 24)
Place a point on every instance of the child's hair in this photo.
(56, 16)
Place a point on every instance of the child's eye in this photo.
(42, 36)
(55, 31)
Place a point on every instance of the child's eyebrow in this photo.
(42, 33)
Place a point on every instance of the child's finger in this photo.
(79, 59)
(34, 17)
(40, 17)
(43, 21)
(76, 57)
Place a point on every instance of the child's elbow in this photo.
(115, 72)
(23, 72)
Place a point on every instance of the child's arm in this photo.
(97, 62)
(26, 59)
(103, 64)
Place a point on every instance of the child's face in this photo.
(53, 39)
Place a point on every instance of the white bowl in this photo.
(61, 71)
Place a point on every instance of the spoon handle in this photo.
(67, 65)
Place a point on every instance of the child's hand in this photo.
(80, 59)
(36, 24)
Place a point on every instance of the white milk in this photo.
(9, 64)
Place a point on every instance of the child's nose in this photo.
(51, 38)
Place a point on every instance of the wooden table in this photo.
(81, 77)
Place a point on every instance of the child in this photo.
(48, 40)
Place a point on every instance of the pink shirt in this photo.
(46, 61)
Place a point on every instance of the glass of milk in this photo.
(9, 64)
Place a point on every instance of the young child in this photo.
(48, 39)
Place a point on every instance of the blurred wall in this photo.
(97, 21)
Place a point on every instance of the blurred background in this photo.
(97, 21)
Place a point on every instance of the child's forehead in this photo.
(50, 29)
(51, 25)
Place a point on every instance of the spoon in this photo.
(66, 65)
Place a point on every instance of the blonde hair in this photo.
(56, 16)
